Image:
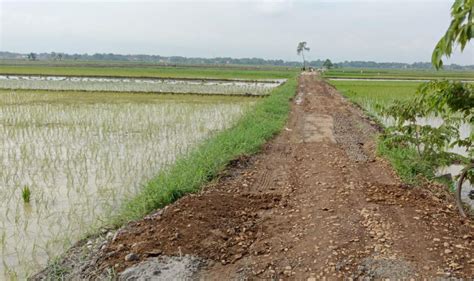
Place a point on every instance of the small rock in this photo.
(131, 257)
(154, 253)
(287, 270)
(455, 265)
(109, 235)
(448, 251)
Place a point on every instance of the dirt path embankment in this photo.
(316, 202)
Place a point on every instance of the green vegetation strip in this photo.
(191, 172)
(371, 94)
(406, 162)
(381, 92)
(411, 74)
(150, 72)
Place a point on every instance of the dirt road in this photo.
(315, 203)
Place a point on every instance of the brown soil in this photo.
(315, 202)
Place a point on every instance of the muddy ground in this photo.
(316, 202)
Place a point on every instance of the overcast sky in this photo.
(384, 30)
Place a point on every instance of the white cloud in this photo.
(274, 7)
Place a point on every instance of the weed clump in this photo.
(26, 194)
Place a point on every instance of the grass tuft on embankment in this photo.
(192, 171)
(406, 162)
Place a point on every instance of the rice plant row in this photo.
(69, 160)
(98, 84)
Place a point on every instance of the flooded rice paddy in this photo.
(82, 155)
(147, 85)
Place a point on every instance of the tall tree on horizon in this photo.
(31, 56)
(300, 51)
(328, 64)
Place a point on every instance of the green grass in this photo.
(26, 194)
(368, 94)
(376, 91)
(56, 270)
(191, 172)
(150, 71)
(399, 74)
(406, 162)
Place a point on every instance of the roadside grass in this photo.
(134, 69)
(369, 95)
(406, 162)
(192, 171)
(409, 74)
(57, 270)
(151, 71)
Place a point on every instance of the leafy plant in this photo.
(460, 31)
(453, 103)
(26, 194)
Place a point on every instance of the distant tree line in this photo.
(177, 60)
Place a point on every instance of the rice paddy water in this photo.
(77, 156)
(149, 85)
